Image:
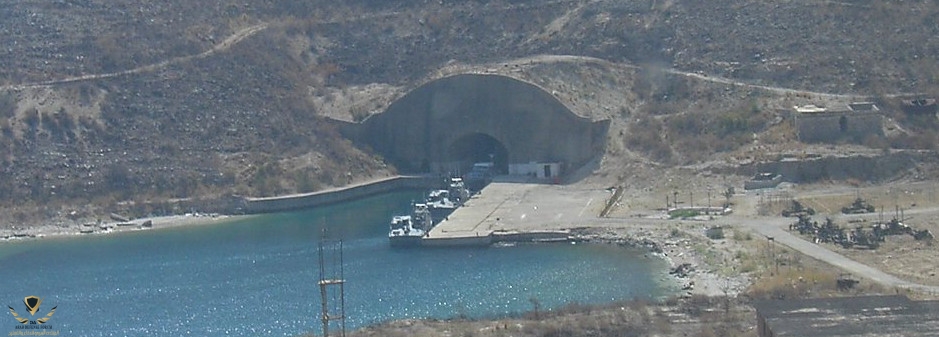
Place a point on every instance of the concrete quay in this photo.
(510, 211)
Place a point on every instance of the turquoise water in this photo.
(257, 276)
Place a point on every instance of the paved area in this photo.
(513, 206)
(523, 207)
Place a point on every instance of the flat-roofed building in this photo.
(855, 122)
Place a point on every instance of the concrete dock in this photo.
(517, 212)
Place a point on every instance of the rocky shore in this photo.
(690, 270)
(681, 245)
(111, 226)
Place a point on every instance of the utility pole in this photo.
(709, 200)
(772, 248)
(332, 285)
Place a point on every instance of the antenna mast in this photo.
(332, 285)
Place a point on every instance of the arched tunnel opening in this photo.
(447, 125)
(478, 148)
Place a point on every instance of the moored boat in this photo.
(443, 202)
(407, 230)
(440, 204)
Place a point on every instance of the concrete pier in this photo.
(509, 211)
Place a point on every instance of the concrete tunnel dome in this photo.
(448, 124)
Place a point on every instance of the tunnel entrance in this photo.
(446, 125)
(477, 148)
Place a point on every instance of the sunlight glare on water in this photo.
(257, 276)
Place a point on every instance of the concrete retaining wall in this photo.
(457, 241)
(488, 239)
(837, 126)
(308, 200)
(865, 168)
(534, 236)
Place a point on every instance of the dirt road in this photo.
(222, 46)
(773, 229)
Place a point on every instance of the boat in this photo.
(407, 230)
(458, 190)
(440, 205)
(443, 202)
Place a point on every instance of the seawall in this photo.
(458, 241)
(531, 236)
(308, 200)
(485, 239)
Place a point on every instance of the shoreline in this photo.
(687, 271)
(49, 231)
(61, 225)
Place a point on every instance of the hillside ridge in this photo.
(126, 106)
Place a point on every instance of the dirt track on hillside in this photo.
(226, 44)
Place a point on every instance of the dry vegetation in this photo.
(900, 255)
(697, 316)
(780, 273)
(777, 273)
(249, 118)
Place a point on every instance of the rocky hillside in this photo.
(126, 101)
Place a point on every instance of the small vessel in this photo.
(440, 205)
(443, 202)
(458, 190)
(407, 230)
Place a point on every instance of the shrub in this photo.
(675, 233)
(715, 233)
(793, 284)
(742, 236)
(683, 213)
(646, 137)
(7, 105)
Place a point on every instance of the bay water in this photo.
(257, 276)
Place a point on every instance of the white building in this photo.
(537, 170)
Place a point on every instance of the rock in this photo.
(682, 270)
(118, 217)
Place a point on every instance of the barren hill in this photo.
(126, 102)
